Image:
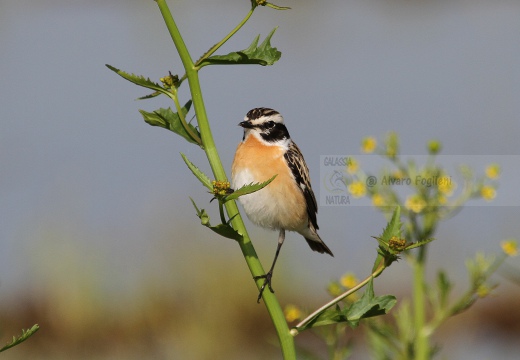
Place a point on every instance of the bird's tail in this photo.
(319, 246)
(313, 239)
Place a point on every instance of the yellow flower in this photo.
(493, 171)
(434, 147)
(378, 200)
(488, 192)
(483, 291)
(292, 313)
(334, 289)
(357, 189)
(368, 145)
(397, 244)
(445, 185)
(348, 280)
(220, 187)
(442, 199)
(398, 174)
(509, 247)
(352, 166)
(170, 81)
(415, 203)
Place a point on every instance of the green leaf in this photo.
(277, 7)
(444, 287)
(149, 96)
(248, 189)
(255, 3)
(25, 335)
(224, 230)
(139, 80)
(394, 226)
(203, 178)
(203, 216)
(329, 316)
(419, 243)
(463, 304)
(170, 120)
(369, 305)
(254, 54)
(227, 231)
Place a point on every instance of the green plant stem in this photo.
(215, 47)
(273, 307)
(422, 347)
(221, 212)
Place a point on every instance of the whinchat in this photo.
(288, 202)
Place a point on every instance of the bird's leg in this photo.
(267, 277)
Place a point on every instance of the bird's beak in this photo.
(246, 124)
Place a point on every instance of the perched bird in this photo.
(288, 202)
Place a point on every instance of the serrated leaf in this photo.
(25, 335)
(138, 80)
(263, 55)
(224, 230)
(393, 228)
(170, 120)
(369, 305)
(248, 189)
(149, 96)
(419, 243)
(203, 178)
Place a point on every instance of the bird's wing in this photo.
(300, 171)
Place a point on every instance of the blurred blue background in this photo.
(94, 207)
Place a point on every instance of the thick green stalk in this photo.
(271, 302)
(422, 347)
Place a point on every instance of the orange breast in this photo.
(282, 204)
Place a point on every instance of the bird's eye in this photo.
(269, 124)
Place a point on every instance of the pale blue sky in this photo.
(76, 157)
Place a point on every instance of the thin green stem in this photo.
(273, 307)
(221, 212)
(215, 47)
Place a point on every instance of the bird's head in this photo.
(265, 123)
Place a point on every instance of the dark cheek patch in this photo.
(275, 133)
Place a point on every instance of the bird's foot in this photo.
(267, 282)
